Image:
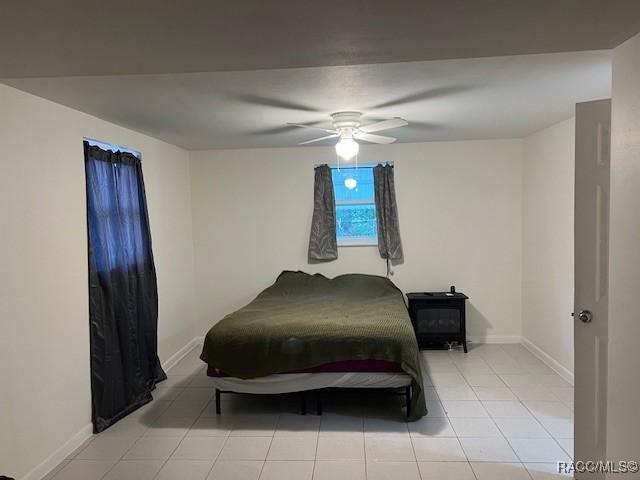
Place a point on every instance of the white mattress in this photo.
(297, 382)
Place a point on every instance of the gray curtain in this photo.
(323, 245)
(389, 243)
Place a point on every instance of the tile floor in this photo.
(495, 413)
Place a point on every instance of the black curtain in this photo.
(123, 294)
(323, 246)
(389, 244)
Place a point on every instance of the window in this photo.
(356, 222)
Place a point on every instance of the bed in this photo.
(309, 333)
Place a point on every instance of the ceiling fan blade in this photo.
(328, 130)
(370, 137)
(384, 125)
(333, 135)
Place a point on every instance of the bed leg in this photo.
(303, 403)
(318, 403)
(407, 394)
(217, 402)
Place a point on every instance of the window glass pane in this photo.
(355, 207)
(364, 184)
(356, 221)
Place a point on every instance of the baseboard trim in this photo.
(548, 360)
(173, 360)
(494, 339)
(61, 454)
(75, 442)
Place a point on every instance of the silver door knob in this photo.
(585, 316)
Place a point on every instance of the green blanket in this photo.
(303, 321)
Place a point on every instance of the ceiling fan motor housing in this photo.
(346, 122)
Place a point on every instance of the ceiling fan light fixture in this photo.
(347, 148)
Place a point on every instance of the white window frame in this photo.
(357, 242)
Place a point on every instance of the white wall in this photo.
(44, 325)
(623, 422)
(547, 239)
(460, 218)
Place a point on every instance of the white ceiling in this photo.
(42, 38)
(455, 69)
(483, 98)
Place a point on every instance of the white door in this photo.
(593, 135)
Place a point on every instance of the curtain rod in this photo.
(347, 165)
(101, 144)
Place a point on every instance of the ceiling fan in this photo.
(346, 126)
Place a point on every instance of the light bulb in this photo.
(347, 148)
(351, 183)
